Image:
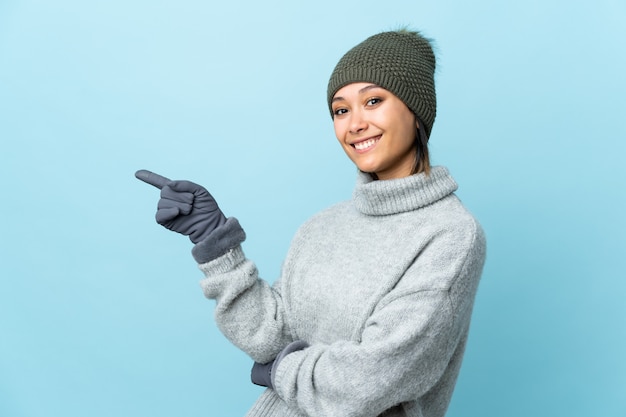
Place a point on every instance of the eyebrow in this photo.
(361, 91)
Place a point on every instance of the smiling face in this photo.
(376, 130)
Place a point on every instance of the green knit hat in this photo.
(401, 62)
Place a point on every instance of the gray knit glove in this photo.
(263, 373)
(184, 207)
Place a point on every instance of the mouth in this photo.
(366, 144)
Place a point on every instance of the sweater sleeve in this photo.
(249, 312)
(406, 347)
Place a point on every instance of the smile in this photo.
(366, 145)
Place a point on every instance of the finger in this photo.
(165, 215)
(183, 207)
(169, 194)
(151, 178)
(190, 193)
(186, 187)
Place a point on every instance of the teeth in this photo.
(365, 144)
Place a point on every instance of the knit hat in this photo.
(401, 62)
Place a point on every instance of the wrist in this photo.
(220, 240)
(290, 348)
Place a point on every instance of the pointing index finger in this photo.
(151, 178)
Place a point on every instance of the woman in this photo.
(371, 312)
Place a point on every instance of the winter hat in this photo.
(401, 62)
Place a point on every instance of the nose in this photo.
(357, 122)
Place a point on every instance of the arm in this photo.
(392, 364)
(410, 344)
(249, 311)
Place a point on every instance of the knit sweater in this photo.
(381, 288)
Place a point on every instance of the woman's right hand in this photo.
(185, 207)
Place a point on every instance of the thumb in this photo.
(165, 215)
(151, 178)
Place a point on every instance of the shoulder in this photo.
(454, 226)
(449, 245)
(449, 213)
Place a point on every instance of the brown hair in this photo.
(422, 160)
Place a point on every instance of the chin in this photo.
(366, 167)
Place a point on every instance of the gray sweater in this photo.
(381, 287)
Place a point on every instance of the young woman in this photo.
(370, 315)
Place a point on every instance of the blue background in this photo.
(101, 313)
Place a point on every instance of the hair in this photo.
(422, 158)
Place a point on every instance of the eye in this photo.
(340, 111)
(373, 101)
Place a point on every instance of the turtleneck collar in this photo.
(383, 197)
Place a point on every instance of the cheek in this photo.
(339, 126)
(410, 135)
(408, 131)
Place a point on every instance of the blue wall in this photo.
(100, 309)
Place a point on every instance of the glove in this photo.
(185, 207)
(263, 373)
